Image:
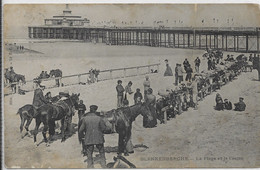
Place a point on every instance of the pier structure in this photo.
(68, 26)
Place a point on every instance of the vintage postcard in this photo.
(131, 85)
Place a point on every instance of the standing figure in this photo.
(81, 109)
(189, 72)
(151, 103)
(92, 129)
(120, 93)
(185, 63)
(138, 96)
(209, 64)
(197, 64)
(168, 71)
(180, 73)
(147, 85)
(128, 90)
(176, 74)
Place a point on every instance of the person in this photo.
(209, 64)
(227, 105)
(128, 90)
(168, 71)
(176, 74)
(147, 85)
(197, 64)
(151, 103)
(92, 75)
(219, 102)
(180, 73)
(194, 96)
(189, 72)
(240, 106)
(38, 98)
(120, 93)
(138, 96)
(92, 129)
(41, 76)
(12, 70)
(185, 63)
(48, 97)
(250, 58)
(81, 109)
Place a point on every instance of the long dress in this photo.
(150, 101)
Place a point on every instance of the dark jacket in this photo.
(136, 95)
(38, 98)
(240, 106)
(120, 90)
(197, 62)
(228, 105)
(92, 128)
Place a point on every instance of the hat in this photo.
(241, 98)
(166, 60)
(130, 82)
(93, 107)
(119, 81)
(225, 99)
(126, 102)
(137, 89)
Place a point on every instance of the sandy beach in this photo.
(196, 138)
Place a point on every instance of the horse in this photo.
(56, 73)
(14, 78)
(122, 118)
(49, 113)
(27, 113)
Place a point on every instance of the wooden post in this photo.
(178, 40)
(124, 73)
(210, 41)
(174, 40)
(222, 42)
(234, 43)
(257, 40)
(199, 41)
(246, 43)
(79, 79)
(237, 43)
(111, 76)
(206, 41)
(188, 40)
(226, 43)
(183, 38)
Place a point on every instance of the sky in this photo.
(17, 17)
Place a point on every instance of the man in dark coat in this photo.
(219, 102)
(185, 64)
(92, 129)
(81, 109)
(189, 73)
(197, 64)
(240, 106)
(38, 98)
(176, 74)
(227, 104)
(120, 93)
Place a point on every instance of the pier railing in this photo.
(84, 78)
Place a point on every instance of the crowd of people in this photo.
(92, 127)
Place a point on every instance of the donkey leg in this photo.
(29, 120)
(38, 122)
(21, 125)
(63, 124)
(51, 129)
(45, 128)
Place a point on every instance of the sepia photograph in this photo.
(131, 85)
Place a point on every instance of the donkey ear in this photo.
(79, 94)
